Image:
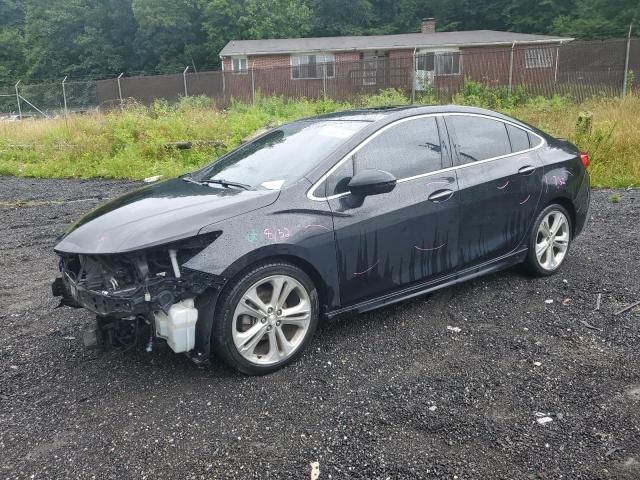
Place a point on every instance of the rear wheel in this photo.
(549, 241)
(266, 318)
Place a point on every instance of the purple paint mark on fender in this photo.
(525, 200)
(559, 181)
(503, 186)
(429, 249)
(313, 225)
(367, 270)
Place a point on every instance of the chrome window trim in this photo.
(314, 187)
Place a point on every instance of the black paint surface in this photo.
(357, 250)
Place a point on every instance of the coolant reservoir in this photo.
(178, 328)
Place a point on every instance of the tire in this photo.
(557, 243)
(252, 330)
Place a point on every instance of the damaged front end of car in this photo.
(143, 294)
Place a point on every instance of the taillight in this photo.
(584, 158)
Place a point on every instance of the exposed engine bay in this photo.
(138, 295)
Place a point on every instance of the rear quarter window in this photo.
(534, 140)
(519, 139)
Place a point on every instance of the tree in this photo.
(336, 17)
(520, 17)
(404, 16)
(44, 40)
(106, 42)
(170, 34)
(598, 19)
(11, 41)
(77, 37)
(226, 20)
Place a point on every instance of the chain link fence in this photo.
(577, 69)
(48, 99)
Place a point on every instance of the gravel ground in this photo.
(391, 394)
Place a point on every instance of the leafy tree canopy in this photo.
(44, 40)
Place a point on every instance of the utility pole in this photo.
(18, 100)
(253, 84)
(626, 63)
(414, 66)
(324, 81)
(184, 79)
(64, 96)
(513, 46)
(120, 90)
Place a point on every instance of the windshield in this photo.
(281, 156)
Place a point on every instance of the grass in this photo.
(613, 144)
(132, 143)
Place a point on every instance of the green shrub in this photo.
(493, 97)
(385, 98)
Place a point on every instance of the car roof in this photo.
(360, 114)
(391, 113)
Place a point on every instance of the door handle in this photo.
(527, 170)
(441, 196)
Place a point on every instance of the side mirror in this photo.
(371, 182)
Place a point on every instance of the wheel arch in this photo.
(295, 258)
(569, 207)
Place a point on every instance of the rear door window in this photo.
(479, 138)
(406, 149)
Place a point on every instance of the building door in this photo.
(425, 66)
(373, 68)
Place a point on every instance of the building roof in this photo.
(383, 42)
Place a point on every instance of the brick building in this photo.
(365, 64)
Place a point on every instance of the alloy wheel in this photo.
(271, 320)
(552, 240)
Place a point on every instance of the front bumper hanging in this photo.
(158, 294)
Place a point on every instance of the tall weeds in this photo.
(133, 143)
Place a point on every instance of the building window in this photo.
(425, 62)
(538, 57)
(239, 65)
(312, 66)
(440, 63)
(448, 63)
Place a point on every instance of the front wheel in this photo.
(266, 318)
(549, 241)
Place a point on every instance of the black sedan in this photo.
(326, 216)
